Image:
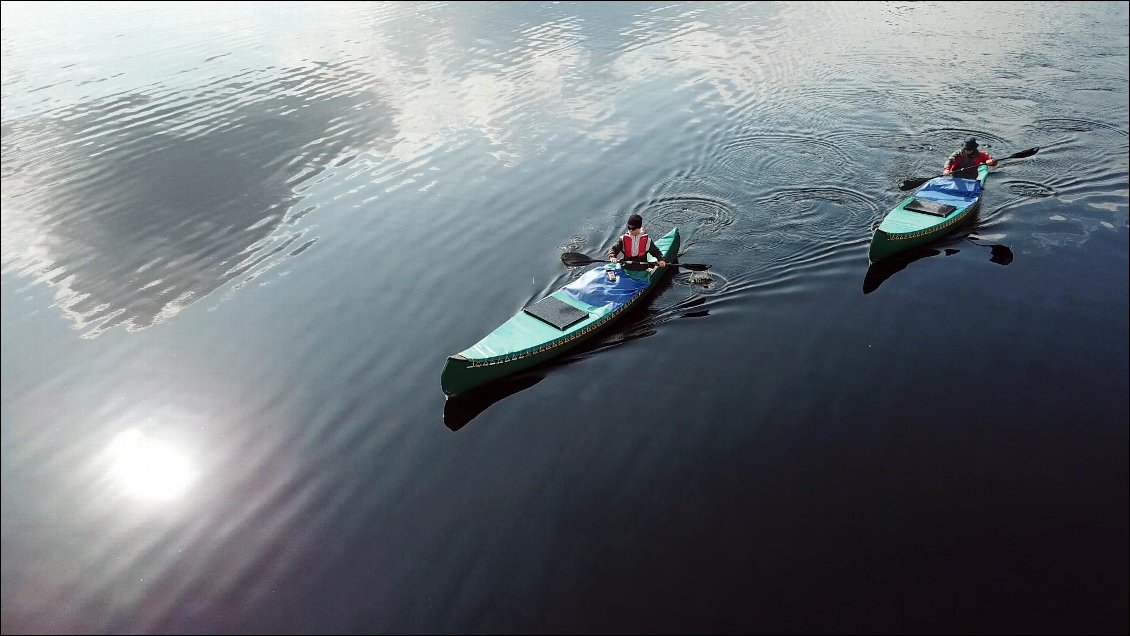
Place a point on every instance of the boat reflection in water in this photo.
(879, 272)
(641, 322)
(458, 410)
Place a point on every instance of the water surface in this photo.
(240, 240)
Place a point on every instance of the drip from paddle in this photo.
(572, 259)
(910, 184)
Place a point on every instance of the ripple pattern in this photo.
(252, 233)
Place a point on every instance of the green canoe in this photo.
(554, 324)
(941, 205)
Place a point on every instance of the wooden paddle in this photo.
(910, 184)
(573, 259)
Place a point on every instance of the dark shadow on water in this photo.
(879, 272)
(640, 322)
(1001, 254)
(461, 409)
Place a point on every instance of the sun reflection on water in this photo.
(149, 468)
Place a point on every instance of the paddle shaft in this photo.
(575, 258)
(910, 184)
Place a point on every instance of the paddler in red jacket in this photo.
(635, 245)
(966, 160)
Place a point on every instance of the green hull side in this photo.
(903, 229)
(524, 342)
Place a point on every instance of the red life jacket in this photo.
(635, 247)
(962, 160)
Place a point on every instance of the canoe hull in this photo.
(885, 245)
(471, 369)
(903, 230)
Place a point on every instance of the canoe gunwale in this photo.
(553, 344)
(946, 224)
(462, 373)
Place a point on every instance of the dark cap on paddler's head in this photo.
(971, 144)
(635, 222)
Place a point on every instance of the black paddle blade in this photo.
(572, 259)
(910, 184)
(1024, 153)
(694, 267)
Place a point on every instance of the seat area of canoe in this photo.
(940, 191)
(593, 289)
(591, 293)
(949, 191)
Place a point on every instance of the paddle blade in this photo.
(694, 267)
(572, 259)
(1024, 153)
(910, 184)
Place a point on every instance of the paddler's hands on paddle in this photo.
(573, 259)
(613, 258)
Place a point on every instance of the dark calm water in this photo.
(239, 241)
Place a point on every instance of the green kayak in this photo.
(555, 323)
(941, 205)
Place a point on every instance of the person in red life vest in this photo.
(635, 246)
(965, 160)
